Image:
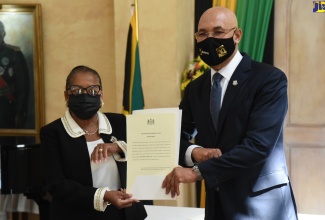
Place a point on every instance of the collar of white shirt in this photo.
(228, 70)
(74, 130)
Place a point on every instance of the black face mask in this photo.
(84, 106)
(214, 51)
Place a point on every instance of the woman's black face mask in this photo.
(84, 106)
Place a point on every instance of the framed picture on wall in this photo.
(21, 74)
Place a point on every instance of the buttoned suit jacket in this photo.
(251, 175)
(68, 176)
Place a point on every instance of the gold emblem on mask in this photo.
(221, 51)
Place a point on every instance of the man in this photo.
(14, 91)
(241, 156)
(14, 87)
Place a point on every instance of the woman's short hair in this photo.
(79, 69)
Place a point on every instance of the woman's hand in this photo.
(119, 199)
(103, 151)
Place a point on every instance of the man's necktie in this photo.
(215, 99)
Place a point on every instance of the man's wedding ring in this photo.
(100, 150)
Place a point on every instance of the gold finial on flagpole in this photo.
(136, 17)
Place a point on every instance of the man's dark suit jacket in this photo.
(68, 173)
(251, 176)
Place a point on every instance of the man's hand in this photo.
(119, 199)
(103, 151)
(201, 154)
(177, 176)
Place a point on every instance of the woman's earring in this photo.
(101, 104)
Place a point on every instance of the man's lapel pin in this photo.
(235, 83)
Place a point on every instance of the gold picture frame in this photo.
(21, 74)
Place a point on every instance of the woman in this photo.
(83, 155)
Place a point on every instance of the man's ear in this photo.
(237, 36)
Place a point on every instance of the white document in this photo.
(153, 137)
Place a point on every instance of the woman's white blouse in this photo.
(104, 173)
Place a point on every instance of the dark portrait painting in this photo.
(19, 73)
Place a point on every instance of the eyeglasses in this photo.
(78, 90)
(201, 35)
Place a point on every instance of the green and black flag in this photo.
(132, 94)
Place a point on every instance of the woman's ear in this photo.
(102, 99)
(66, 96)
